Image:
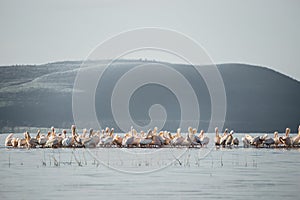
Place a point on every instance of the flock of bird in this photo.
(153, 138)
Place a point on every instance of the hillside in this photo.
(258, 99)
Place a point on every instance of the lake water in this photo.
(168, 173)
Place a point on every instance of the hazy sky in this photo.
(255, 31)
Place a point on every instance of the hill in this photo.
(258, 99)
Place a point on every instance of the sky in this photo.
(257, 32)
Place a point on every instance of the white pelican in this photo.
(247, 140)
(276, 139)
(108, 139)
(22, 142)
(52, 141)
(177, 139)
(31, 142)
(203, 139)
(128, 140)
(8, 140)
(165, 135)
(42, 139)
(296, 139)
(256, 141)
(229, 139)
(14, 142)
(269, 141)
(146, 140)
(156, 141)
(217, 137)
(286, 140)
(235, 142)
(190, 139)
(53, 133)
(224, 137)
(88, 142)
(69, 141)
(117, 140)
(195, 138)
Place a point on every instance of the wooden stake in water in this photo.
(9, 160)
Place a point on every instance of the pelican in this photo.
(269, 141)
(257, 141)
(286, 140)
(217, 137)
(156, 141)
(52, 141)
(107, 140)
(88, 142)
(128, 140)
(69, 141)
(193, 139)
(229, 139)
(42, 139)
(53, 133)
(146, 141)
(204, 140)
(247, 140)
(31, 142)
(224, 137)
(117, 140)
(296, 139)
(165, 135)
(14, 142)
(235, 142)
(137, 138)
(8, 140)
(177, 139)
(22, 142)
(196, 140)
(276, 139)
(96, 135)
(61, 137)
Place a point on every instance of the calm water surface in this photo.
(237, 173)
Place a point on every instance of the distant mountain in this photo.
(258, 99)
